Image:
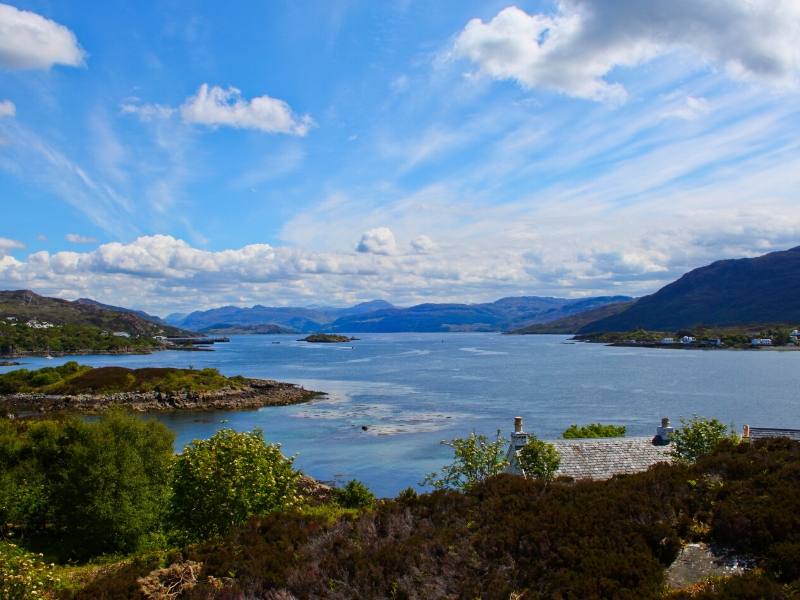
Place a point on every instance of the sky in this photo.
(181, 155)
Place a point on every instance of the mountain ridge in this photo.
(743, 291)
(381, 316)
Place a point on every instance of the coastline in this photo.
(138, 352)
(258, 394)
(691, 347)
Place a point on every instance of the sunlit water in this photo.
(413, 390)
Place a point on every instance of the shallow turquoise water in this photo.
(413, 390)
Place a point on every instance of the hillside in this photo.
(25, 305)
(573, 323)
(379, 316)
(744, 291)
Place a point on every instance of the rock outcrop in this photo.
(257, 393)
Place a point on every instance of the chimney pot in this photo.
(517, 424)
(665, 421)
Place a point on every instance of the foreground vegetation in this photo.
(228, 518)
(73, 378)
(593, 430)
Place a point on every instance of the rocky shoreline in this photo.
(256, 394)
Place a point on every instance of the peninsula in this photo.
(75, 388)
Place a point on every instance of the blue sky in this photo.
(181, 155)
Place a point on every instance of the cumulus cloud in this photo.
(422, 244)
(75, 238)
(7, 109)
(377, 241)
(574, 50)
(31, 41)
(215, 106)
(7, 244)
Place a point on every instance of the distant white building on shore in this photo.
(667, 340)
(761, 342)
(688, 339)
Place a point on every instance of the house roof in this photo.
(604, 458)
(757, 433)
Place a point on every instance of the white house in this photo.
(688, 339)
(761, 342)
(667, 340)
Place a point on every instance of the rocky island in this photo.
(74, 388)
(327, 338)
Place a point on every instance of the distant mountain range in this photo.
(745, 291)
(576, 322)
(26, 305)
(380, 316)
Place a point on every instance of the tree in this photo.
(354, 495)
(539, 459)
(697, 437)
(474, 459)
(107, 481)
(222, 481)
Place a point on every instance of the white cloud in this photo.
(689, 109)
(422, 244)
(7, 109)
(30, 41)
(146, 112)
(215, 106)
(75, 238)
(7, 244)
(575, 50)
(377, 241)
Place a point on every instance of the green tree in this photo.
(354, 495)
(220, 482)
(593, 430)
(697, 437)
(87, 487)
(108, 481)
(539, 459)
(475, 458)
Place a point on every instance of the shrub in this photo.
(23, 575)
(222, 481)
(85, 488)
(474, 459)
(593, 430)
(539, 459)
(108, 481)
(354, 495)
(697, 437)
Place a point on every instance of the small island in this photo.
(75, 388)
(327, 338)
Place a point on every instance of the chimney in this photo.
(519, 438)
(663, 432)
(746, 432)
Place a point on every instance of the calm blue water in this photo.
(413, 390)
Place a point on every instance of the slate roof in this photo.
(757, 433)
(604, 458)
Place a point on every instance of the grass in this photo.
(72, 378)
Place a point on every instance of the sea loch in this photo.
(392, 398)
